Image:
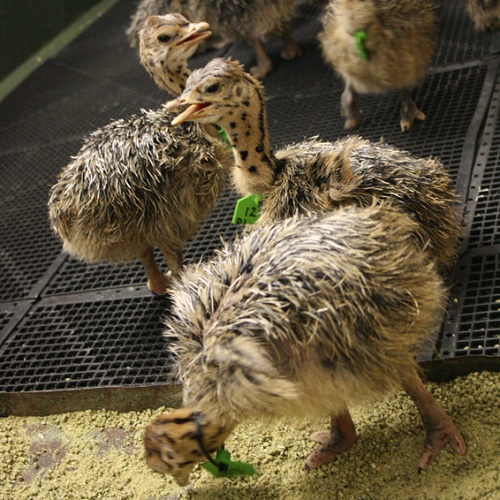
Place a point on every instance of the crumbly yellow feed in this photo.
(99, 454)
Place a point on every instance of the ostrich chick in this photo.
(484, 13)
(251, 21)
(138, 182)
(315, 176)
(377, 46)
(147, 8)
(302, 318)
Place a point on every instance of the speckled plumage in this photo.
(299, 318)
(139, 183)
(132, 186)
(315, 176)
(484, 13)
(355, 171)
(251, 21)
(347, 291)
(400, 37)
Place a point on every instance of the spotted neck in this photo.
(169, 74)
(246, 126)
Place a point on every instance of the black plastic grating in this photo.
(76, 276)
(97, 325)
(33, 95)
(458, 40)
(28, 247)
(485, 190)
(87, 107)
(10, 314)
(106, 33)
(448, 98)
(5, 318)
(89, 344)
(477, 300)
(31, 170)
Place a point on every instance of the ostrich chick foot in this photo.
(340, 437)
(440, 429)
(440, 432)
(349, 107)
(409, 112)
(290, 50)
(158, 283)
(264, 63)
(259, 71)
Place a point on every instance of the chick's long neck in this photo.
(255, 164)
(170, 74)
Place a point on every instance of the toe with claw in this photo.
(439, 426)
(340, 437)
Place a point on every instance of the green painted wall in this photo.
(27, 25)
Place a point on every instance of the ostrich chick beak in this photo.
(189, 113)
(198, 32)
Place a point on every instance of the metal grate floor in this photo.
(68, 326)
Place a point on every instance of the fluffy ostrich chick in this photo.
(251, 21)
(302, 317)
(139, 183)
(484, 13)
(314, 176)
(378, 46)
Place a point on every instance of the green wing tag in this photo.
(228, 468)
(247, 209)
(224, 138)
(360, 37)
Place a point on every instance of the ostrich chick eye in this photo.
(164, 38)
(212, 89)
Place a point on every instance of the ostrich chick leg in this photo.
(173, 259)
(291, 50)
(340, 437)
(264, 64)
(409, 111)
(349, 107)
(440, 429)
(157, 281)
